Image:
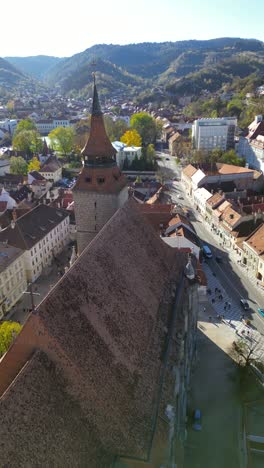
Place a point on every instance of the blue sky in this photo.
(63, 27)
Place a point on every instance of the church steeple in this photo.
(98, 150)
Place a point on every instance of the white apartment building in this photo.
(208, 134)
(13, 281)
(42, 233)
(45, 126)
(123, 151)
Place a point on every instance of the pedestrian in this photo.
(216, 290)
(213, 301)
(243, 332)
(210, 318)
(229, 305)
(225, 308)
(204, 309)
(230, 322)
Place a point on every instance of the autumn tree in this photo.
(18, 165)
(145, 126)
(131, 138)
(33, 165)
(27, 141)
(246, 352)
(62, 139)
(8, 332)
(25, 124)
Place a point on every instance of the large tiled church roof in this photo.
(101, 332)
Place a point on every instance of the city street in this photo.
(233, 278)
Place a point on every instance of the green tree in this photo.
(27, 141)
(230, 157)
(8, 332)
(18, 165)
(131, 138)
(145, 126)
(62, 139)
(33, 165)
(150, 154)
(25, 124)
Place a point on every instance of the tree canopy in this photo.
(18, 165)
(145, 126)
(27, 141)
(34, 164)
(25, 124)
(8, 332)
(62, 139)
(131, 138)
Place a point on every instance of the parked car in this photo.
(261, 311)
(207, 251)
(167, 159)
(197, 420)
(218, 259)
(244, 303)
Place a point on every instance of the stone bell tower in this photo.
(101, 187)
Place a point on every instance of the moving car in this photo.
(261, 311)
(244, 303)
(197, 420)
(218, 259)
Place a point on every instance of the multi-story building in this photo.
(45, 126)
(13, 281)
(41, 233)
(101, 187)
(9, 125)
(253, 253)
(208, 134)
(251, 146)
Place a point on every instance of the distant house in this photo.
(124, 152)
(51, 169)
(251, 146)
(45, 126)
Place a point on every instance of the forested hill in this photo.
(9, 74)
(37, 66)
(172, 68)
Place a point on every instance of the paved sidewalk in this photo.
(215, 390)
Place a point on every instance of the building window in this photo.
(88, 179)
(100, 180)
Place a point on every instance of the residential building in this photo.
(200, 198)
(251, 146)
(6, 197)
(108, 353)
(9, 125)
(38, 184)
(101, 187)
(41, 233)
(253, 253)
(51, 170)
(200, 175)
(210, 133)
(124, 152)
(45, 126)
(11, 181)
(181, 234)
(13, 281)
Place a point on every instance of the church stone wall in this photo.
(92, 211)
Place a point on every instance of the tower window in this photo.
(100, 180)
(88, 179)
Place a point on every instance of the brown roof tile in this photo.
(189, 170)
(102, 327)
(256, 240)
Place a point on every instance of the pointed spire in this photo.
(96, 109)
(98, 149)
